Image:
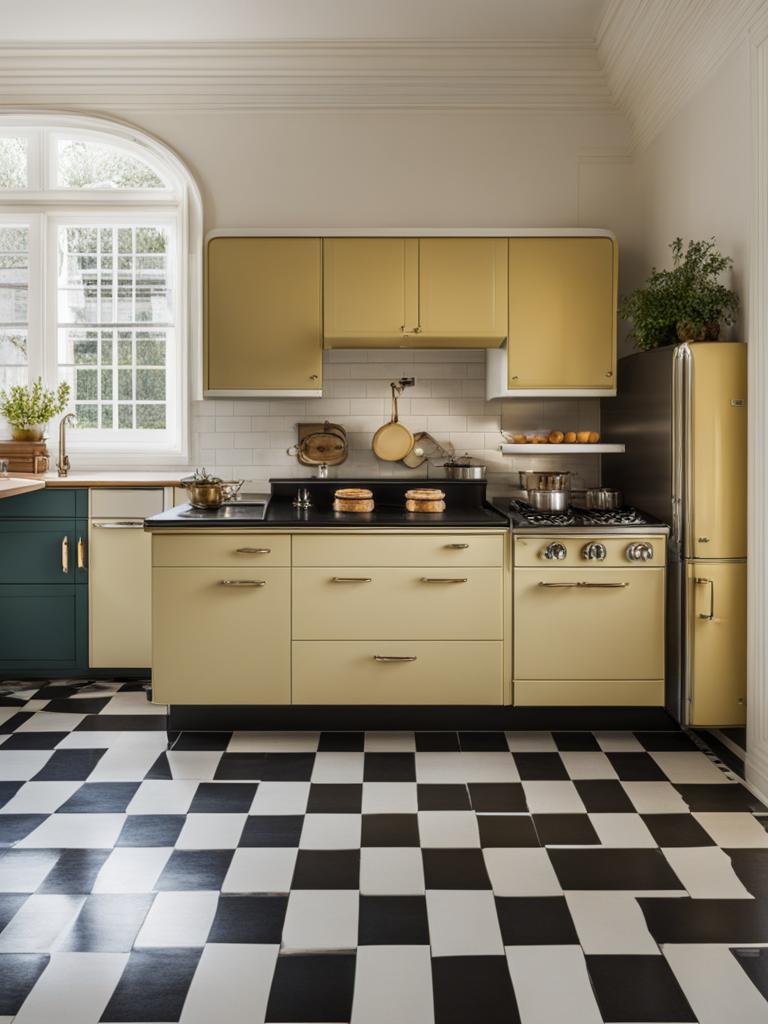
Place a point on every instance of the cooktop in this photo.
(523, 515)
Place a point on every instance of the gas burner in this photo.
(536, 518)
(611, 517)
(574, 516)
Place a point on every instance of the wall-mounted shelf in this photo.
(560, 449)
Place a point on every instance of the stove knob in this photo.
(640, 552)
(555, 551)
(594, 552)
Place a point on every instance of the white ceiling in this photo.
(253, 20)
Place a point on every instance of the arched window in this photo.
(99, 234)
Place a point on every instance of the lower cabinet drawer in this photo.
(589, 693)
(396, 672)
(437, 549)
(231, 549)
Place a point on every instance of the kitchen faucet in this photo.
(63, 460)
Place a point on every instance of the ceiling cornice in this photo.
(657, 54)
(337, 75)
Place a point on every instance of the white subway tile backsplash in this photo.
(232, 423)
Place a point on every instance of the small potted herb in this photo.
(28, 408)
(686, 303)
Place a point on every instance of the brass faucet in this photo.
(63, 460)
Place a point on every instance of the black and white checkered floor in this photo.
(385, 878)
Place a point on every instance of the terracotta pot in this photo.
(34, 433)
(698, 332)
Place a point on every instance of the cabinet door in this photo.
(562, 313)
(43, 629)
(218, 643)
(120, 594)
(717, 645)
(370, 289)
(43, 551)
(462, 290)
(263, 314)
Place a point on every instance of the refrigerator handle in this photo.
(681, 406)
(702, 581)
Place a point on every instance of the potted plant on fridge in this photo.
(685, 303)
(28, 408)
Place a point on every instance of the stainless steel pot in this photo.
(605, 498)
(544, 480)
(206, 491)
(548, 500)
(458, 470)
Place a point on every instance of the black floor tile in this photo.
(389, 767)
(202, 741)
(636, 767)
(249, 919)
(327, 869)
(736, 922)
(672, 740)
(455, 869)
(123, 723)
(637, 989)
(737, 736)
(223, 798)
(100, 798)
(504, 797)
(442, 796)
(335, 798)
(12, 724)
(473, 989)
(194, 869)
(8, 790)
(161, 769)
(272, 830)
(677, 830)
(507, 830)
(153, 986)
(80, 706)
(565, 830)
(393, 920)
(74, 871)
(437, 741)
(107, 923)
(14, 827)
(535, 767)
(754, 963)
(390, 830)
(10, 902)
(483, 741)
(604, 796)
(18, 974)
(34, 740)
(69, 765)
(312, 988)
(575, 741)
(613, 869)
(151, 830)
(725, 796)
(535, 921)
(341, 741)
(752, 868)
(266, 767)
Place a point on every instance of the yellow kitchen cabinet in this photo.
(120, 594)
(443, 550)
(221, 635)
(263, 316)
(462, 291)
(717, 642)
(562, 319)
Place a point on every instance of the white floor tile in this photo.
(391, 871)
(321, 920)
(234, 976)
(273, 742)
(389, 798)
(737, 829)
(610, 922)
(531, 742)
(160, 796)
(50, 721)
(21, 764)
(689, 766)
(655, 798)
(132, 869)
(193, 764)
(38, 923)
(178, 919)
(448, 828)
(130, 758)
(628, 830)
(211, 831)
(488, 766)
(706, 873)
(338, 766)
(717, 988)
(393, 983)
(331, 832)
(551, 984)
(73, 987)
(132, 702)
(521, 872)
(617, 742)
(23, 872)
(553, 798)
(381, 741)
(439, 767)
(280, 798)
(463, 923)
(587, 764)
(6, 713)
(75, 831)
(40, 797)
(102, 740)
(260, 869)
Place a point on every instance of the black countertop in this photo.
(466, 507)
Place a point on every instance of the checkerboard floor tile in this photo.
(421, 877)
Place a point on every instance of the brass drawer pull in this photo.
(351, 579)
(457, 547)
(559, 585)
(80, 553)
(586, 586)
(242, 583)
(442, 579)
(254, 551)
(124, 524)
(65, 555)
(702, 581)
(394, 657)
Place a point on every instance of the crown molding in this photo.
(301, 75)
(656, 54)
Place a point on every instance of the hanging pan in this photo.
(394, 440)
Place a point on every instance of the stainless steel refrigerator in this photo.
(681, 411)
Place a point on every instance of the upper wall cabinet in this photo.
(562, 319)
(263, 316)
(415, 293)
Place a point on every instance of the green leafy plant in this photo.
(686, 303)
(32, 405)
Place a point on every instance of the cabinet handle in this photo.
(609, 373)
(242, 583)
(254, 551)
(65, 555)
(351, 579)
(123, 524)
(394, 657)
(80, 553)
(711, 584)
(457, 547)
(442, 579)
(586, 586)
(313, 376)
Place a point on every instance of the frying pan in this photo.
(393, 440)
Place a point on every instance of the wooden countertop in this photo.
(106, 478)
(12, 485)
